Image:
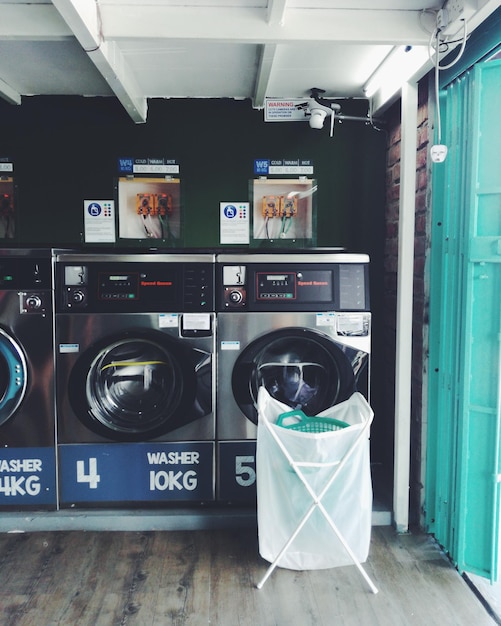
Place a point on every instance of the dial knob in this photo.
(33, 302)
(235, 297)
(77, 296)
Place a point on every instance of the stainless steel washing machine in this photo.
(135, 343)
(297, 324)
(27, 429)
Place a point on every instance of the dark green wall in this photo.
(65, 150)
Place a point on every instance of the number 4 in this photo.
(92, 477)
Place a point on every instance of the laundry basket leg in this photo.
(267, 575)
(355, 560)
(307, 515)
(286, 547)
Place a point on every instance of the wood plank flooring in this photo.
(76, 578)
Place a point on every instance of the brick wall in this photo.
(421, 246)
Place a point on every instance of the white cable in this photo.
(436, 35)
(437, 99)
(461, 50)
(433, 12)
(438, 67)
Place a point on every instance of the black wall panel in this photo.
(65, 150)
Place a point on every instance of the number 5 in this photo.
(245, 474)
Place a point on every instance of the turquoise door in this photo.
(462, 504)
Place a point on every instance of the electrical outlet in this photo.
(455, 10)
(451, 18)
(442, 19)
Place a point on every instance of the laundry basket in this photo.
(314, 489)
(297, 420)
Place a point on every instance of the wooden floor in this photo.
(156, 578)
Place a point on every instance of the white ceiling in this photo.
(209, 48)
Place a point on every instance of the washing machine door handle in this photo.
(14, 379)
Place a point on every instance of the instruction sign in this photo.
(99, 221)
(234, 222)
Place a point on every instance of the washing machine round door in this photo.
(13, 376)
(133, 387)
(301, 368)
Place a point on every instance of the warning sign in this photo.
(279, 110)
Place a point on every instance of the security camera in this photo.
(319, 108)
(317, 118)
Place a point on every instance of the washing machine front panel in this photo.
(135, 344)
(134, 347)
(298, 324)
(26, 351)
(13, 376)
(27, 416)
(301, 358)
(132, 378)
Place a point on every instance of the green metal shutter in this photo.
(462, 496)
(479, 397)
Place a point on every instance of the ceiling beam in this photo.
(251, 25)
(263, 75)
(84, 19)
(276, 12)
(276, 16)
(36, 22)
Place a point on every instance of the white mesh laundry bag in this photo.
(283, 500)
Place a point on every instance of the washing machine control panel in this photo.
(25, 273)
(30, 277)
(283, 287)
(130, 287)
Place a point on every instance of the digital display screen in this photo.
(118, 286)
(308, 286)
(144, 286)
(279, 286)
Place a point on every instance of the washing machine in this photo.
(27, 429)
(297, 324)
(134, 350)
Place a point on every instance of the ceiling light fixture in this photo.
(400, 66)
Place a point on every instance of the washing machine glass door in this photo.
(13, 376)
(301, 368)
(131, 388)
